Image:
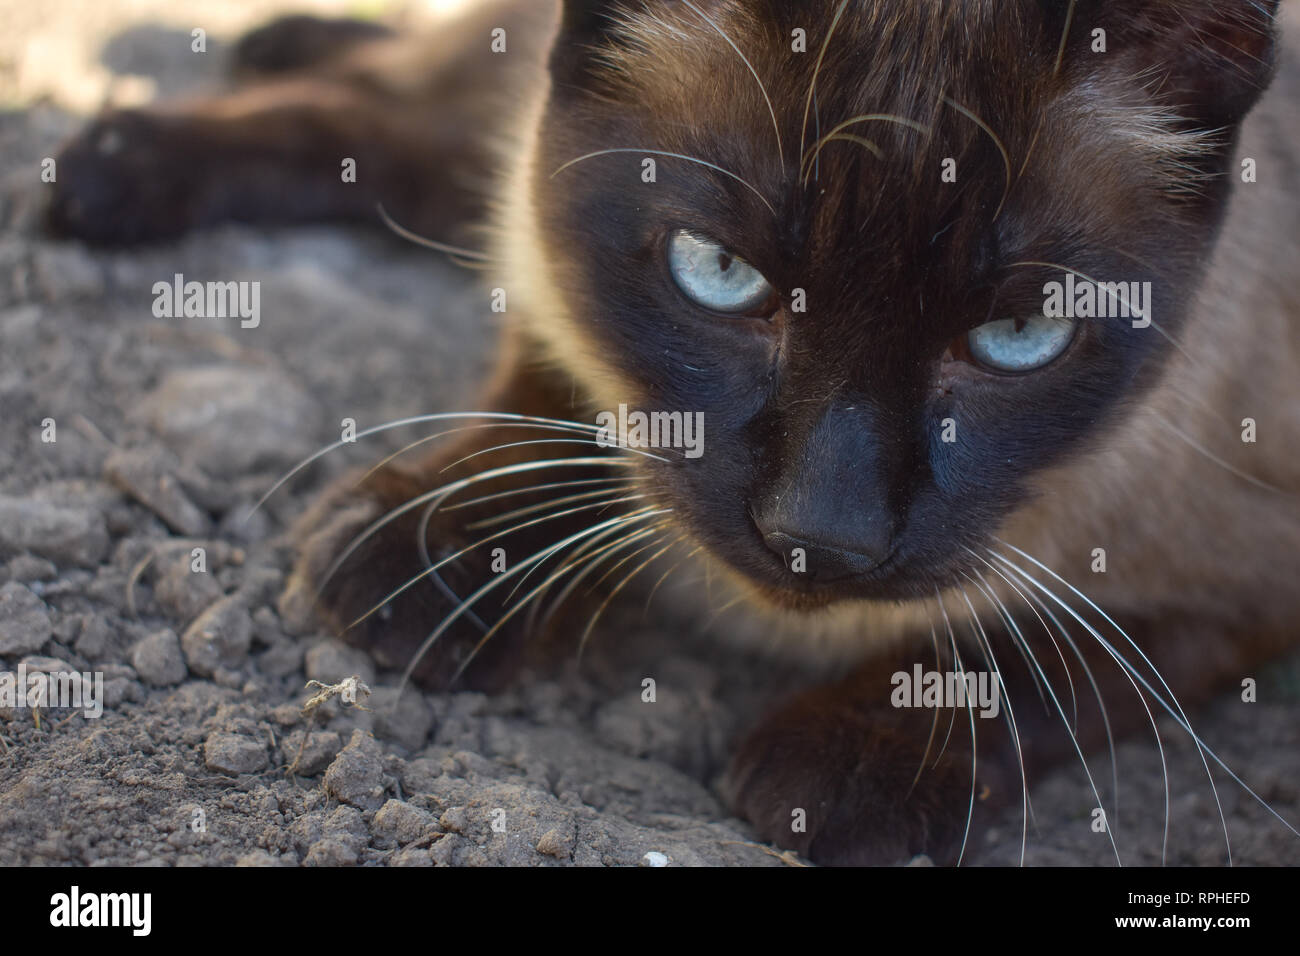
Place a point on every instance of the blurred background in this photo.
(83, 55)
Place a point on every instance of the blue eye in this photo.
(1021, 345)
(714, 278)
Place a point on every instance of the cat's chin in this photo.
(905, 579)
(812, 597)
(784, 599)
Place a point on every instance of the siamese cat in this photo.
(959, 340)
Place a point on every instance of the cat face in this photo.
(833, 229)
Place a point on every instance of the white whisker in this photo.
(982, 640)
(599, 507)
(1226, 466)
(1074, 740)
(660, 152)
(532, 489)
(866, 118)
(776, 127)
(419, 240)
(592, 560)
(445, 491)
(401, 423)
(1006, 159)
(433, 567)
(970, 712)
(541, 506)
(506, 575)
(1176, 711)
(455, 431)
(538, 441)
(568, 589)
(812, 86)
(934, 724)
(1123, 664)
(664, 577)
(1114, 297)
(591, 624)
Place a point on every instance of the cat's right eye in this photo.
(1020, 345)
(716, 279)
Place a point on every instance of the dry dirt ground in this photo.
(168, 429)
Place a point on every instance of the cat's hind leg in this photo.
(334, 125)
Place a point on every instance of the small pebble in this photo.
(234, 754)
(356, 777)
(320, 750)
(143, 477)
(158, 659)
(62, 533)
(25, 623)
(219, 639)
(400, 823)
(331, 661)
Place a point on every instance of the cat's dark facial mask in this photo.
(851, 412)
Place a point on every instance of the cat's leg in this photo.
(334, 125)
(348, 565)
(869, 782)
(298, 149)
(845, 778)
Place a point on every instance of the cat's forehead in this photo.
(877, 125)
(781, 91)
(810, 60)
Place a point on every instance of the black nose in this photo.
(824, 562)
(831, 497)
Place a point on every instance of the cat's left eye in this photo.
(1020, 345)
(714, 278)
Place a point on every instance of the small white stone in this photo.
(654, 858)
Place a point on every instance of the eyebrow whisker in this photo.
(776, 127)
(812, 87)
(1006, 158)
(660, 152)
(834, 134)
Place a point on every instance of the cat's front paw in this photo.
(365, 578)
(127, 177)
(838, 781)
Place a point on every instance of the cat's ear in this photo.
(586, 19)
(585, 26)
(1209, 59)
